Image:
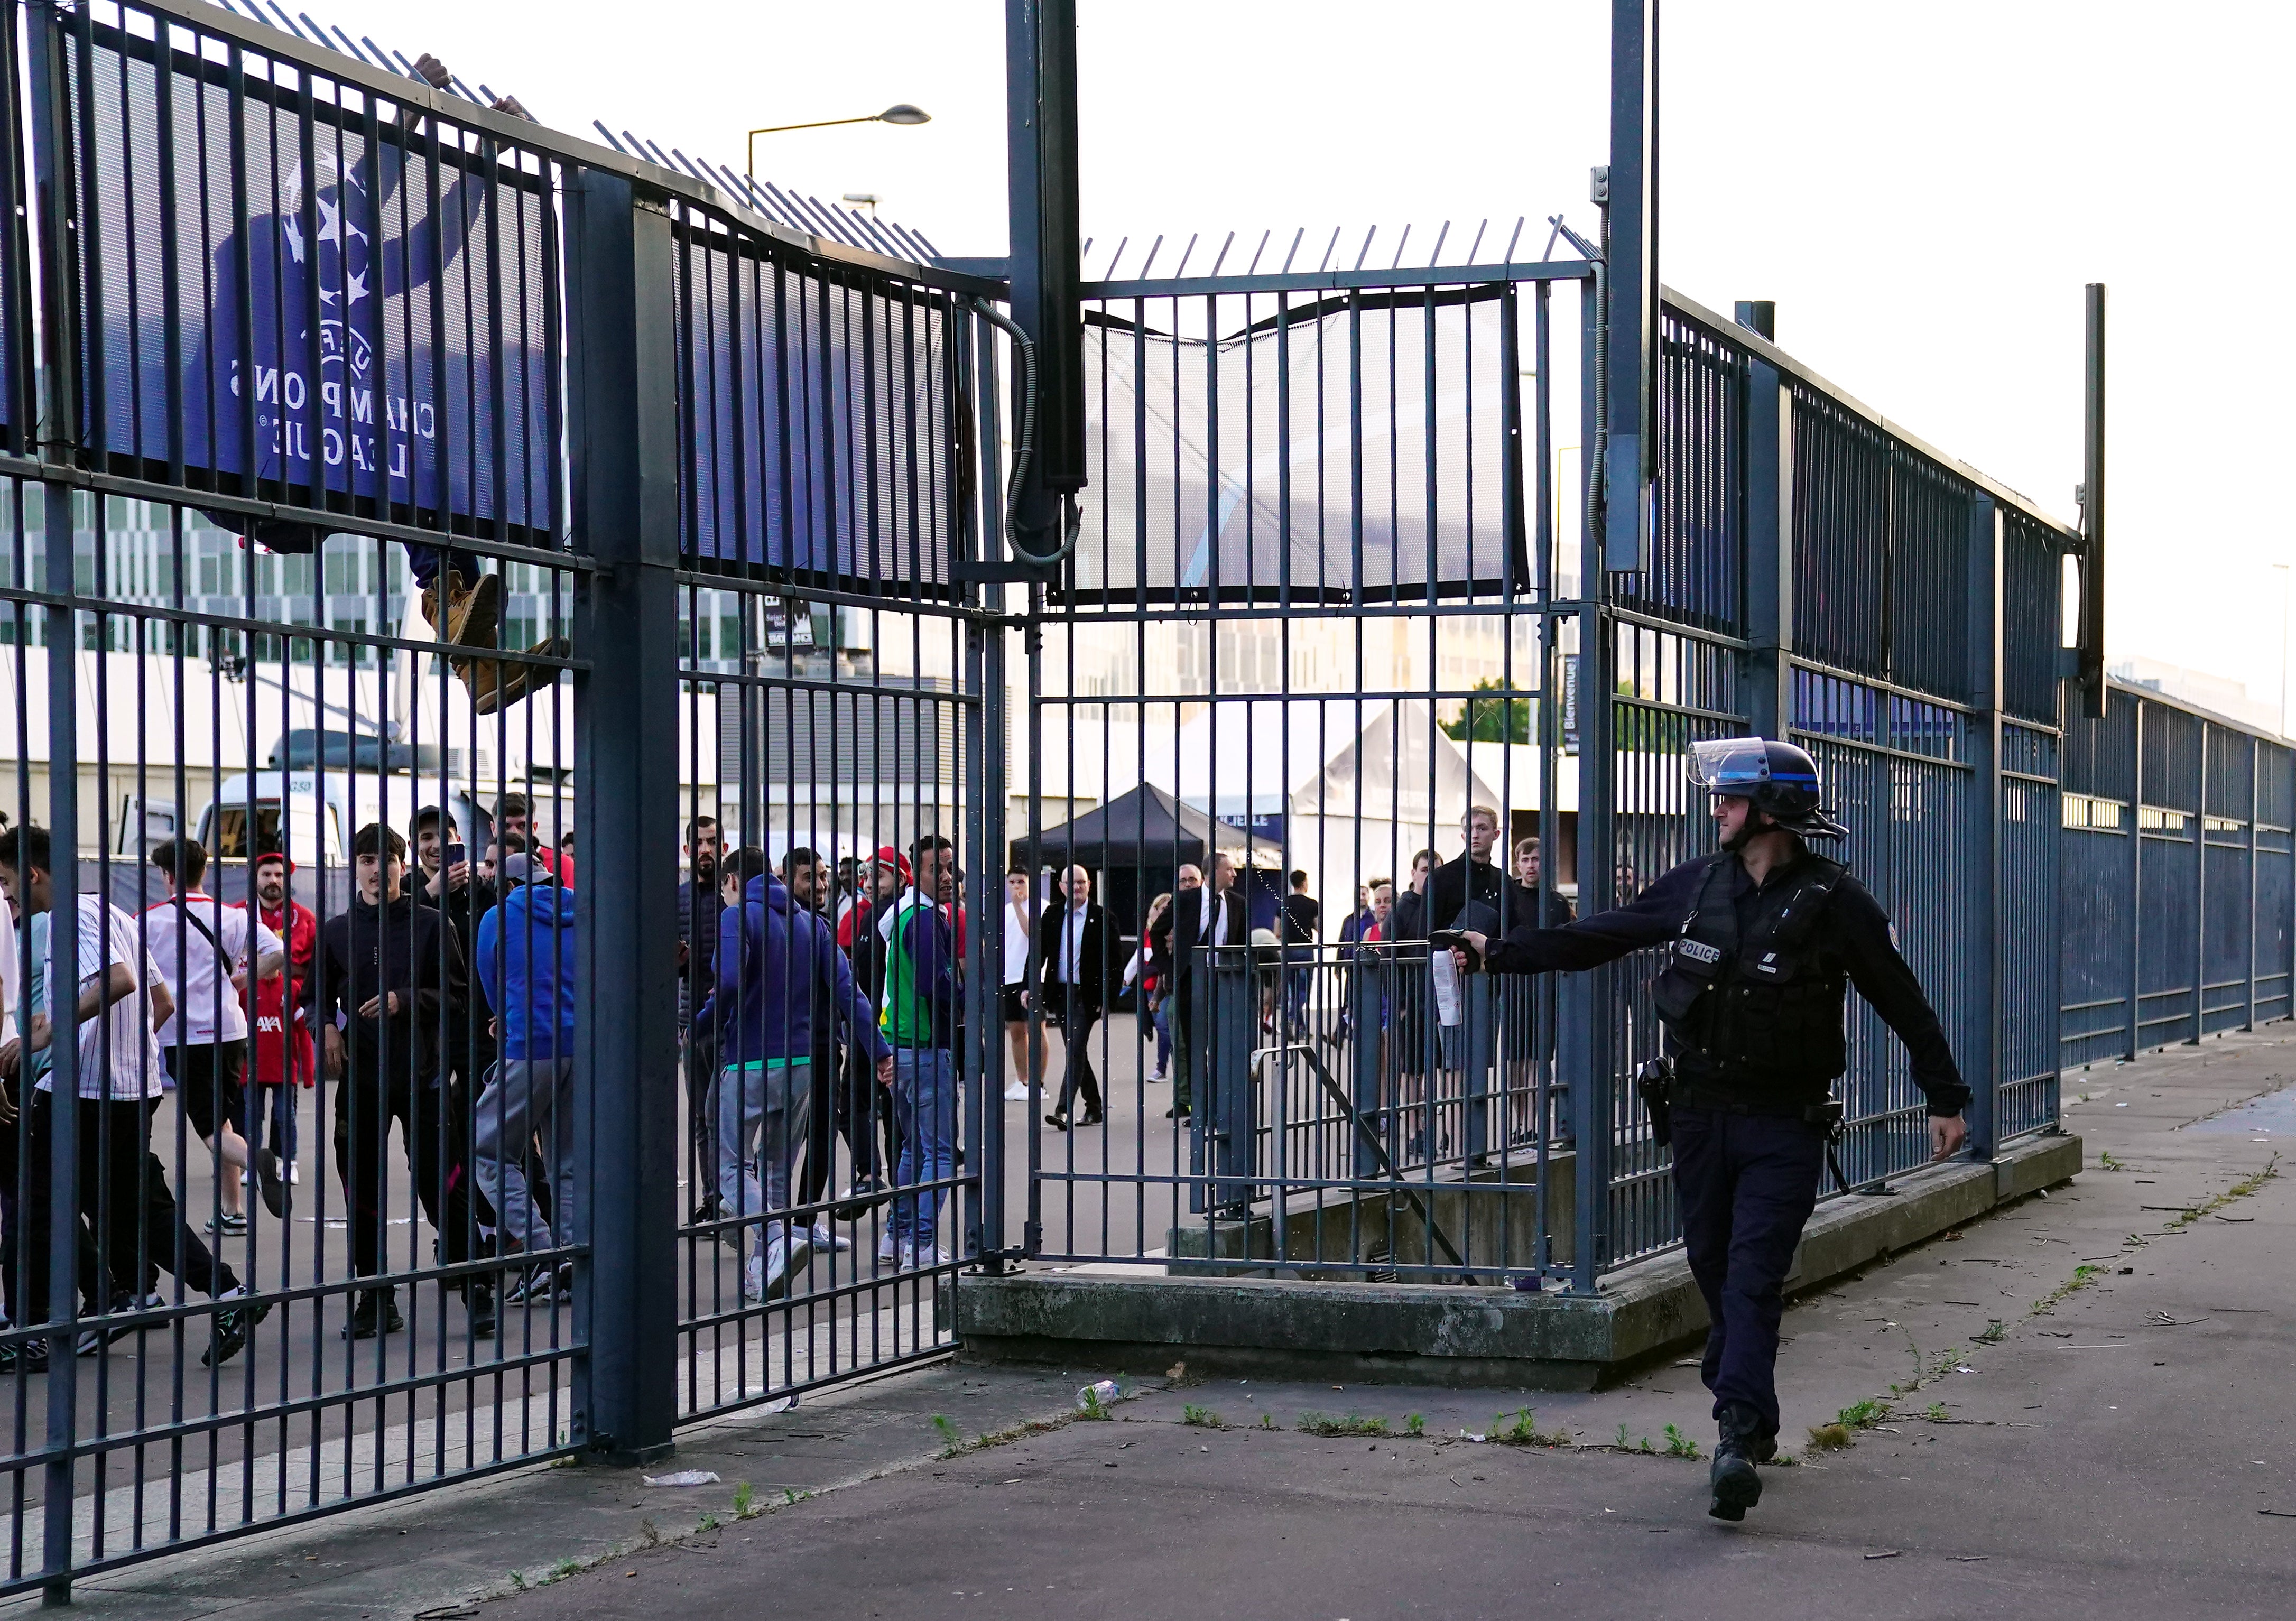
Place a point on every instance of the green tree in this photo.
(1492, 720)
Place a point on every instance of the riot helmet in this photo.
(1779, 779)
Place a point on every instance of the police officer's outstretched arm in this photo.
(1884, 979)
(1651, 917)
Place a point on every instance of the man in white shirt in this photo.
(1020, 930)
(117, 1067)
(207, 957)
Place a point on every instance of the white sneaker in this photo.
(1017, 1092)
(824, 1239)
(783, 1263)
(914, 1258)
(753, 1275)
(294, 1174)
(886, 1247)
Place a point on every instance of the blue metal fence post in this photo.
(2200, 958)
(2134, 911)
(2255, 765)
(58, 439)
(1770, 545)
(1631, 253)
(1981, 1032)
(623, 436)
(1584, 1052)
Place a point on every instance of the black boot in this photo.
(1733, 1479)
(478, 1296)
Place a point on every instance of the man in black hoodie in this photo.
(388, 969)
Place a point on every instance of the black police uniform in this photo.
(1752, 1000)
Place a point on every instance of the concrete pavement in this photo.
(2121, 1443)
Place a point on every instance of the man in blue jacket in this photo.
(526, 969)
(772, 957)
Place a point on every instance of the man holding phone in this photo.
(448, 883)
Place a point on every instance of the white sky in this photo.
(1922, 189)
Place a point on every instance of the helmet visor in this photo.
(1730, 765)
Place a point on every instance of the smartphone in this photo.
(456, 854)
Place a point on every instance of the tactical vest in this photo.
(1760, 1003)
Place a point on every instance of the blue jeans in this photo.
(925, 1110)
(761, 1112)
(1163, 1032)
(1746, 1185)
(278, 1104)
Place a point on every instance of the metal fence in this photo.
(596, 510)
(2177, 899)
(1323, 604)
(567, 483)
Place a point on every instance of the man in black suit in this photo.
(1207, 914)
(1072, 976)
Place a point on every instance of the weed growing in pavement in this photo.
(1094, 1411)
(1828, 1437)
(1521, 1429)
(1645, 1446)
(1679, 1445)
(951, 1438)
(1415, 1424)
(1861, 1415)
(1267, 1421)
(1201, 1417)
(1935, 1415)
(2239, 1190)
(2108, 1162)
(708, 1524)
(2083, 1276)
(1994, 1333)
(1326, 1424)
(564, 1568)
(745, 1502)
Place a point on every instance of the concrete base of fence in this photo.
(1452, 1334)
(1492, 1217)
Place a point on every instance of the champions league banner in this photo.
(358, 296)
(358, 314)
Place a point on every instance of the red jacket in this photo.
(276, 1007)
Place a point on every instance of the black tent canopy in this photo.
(1136, 843)
(1145, 829)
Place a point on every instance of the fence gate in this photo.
(688, 486)
(1321, 620)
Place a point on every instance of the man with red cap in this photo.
(279, 1009)
(869, 1115)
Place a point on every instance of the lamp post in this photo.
(900, 113)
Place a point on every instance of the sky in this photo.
(1924, 189)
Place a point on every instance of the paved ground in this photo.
(2121, 1446)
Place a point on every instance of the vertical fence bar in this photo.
(1586, 997)
(1981, 1064)
(2134, 911)
(624, 440)
(2200, 957)
(1769, 552)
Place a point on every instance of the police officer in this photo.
(1764, 935)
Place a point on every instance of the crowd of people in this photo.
(820, 1010)
(442, 1001)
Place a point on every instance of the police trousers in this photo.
(1746, 1184)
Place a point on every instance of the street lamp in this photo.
(900, 113)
